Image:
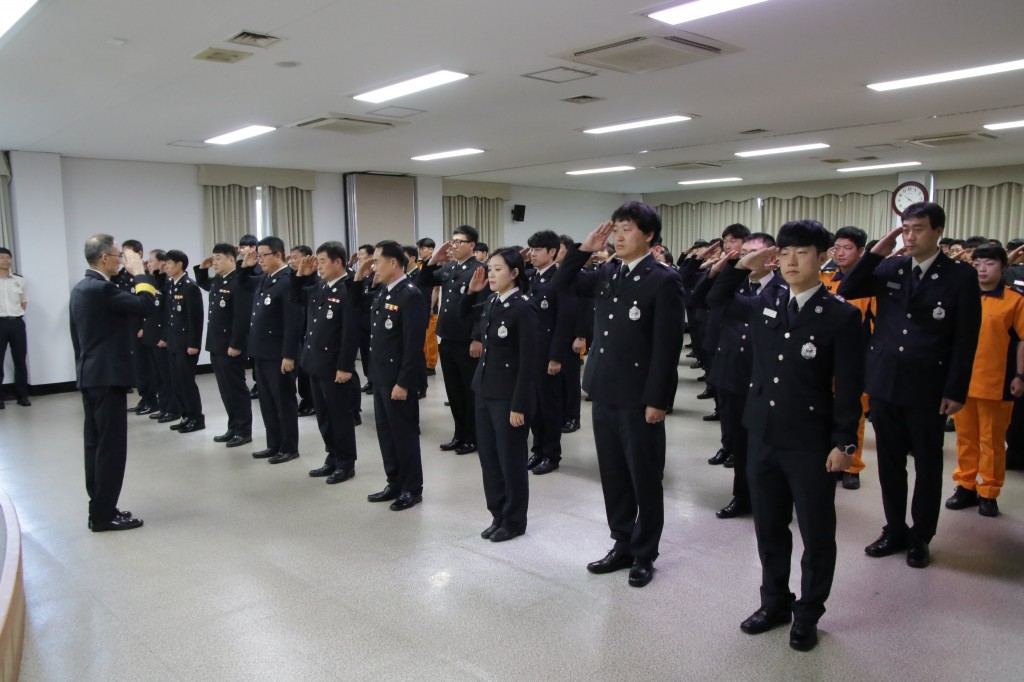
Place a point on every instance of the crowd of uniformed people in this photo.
(802, 336)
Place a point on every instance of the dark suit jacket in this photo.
(332, 326)
(398, 327)
(508, 366)
(807, 378)
(453, 280)
(922, 348)
(102, 319)
(638, 330)
(556, 314)
(275, 325)
(230, 309)
(183, 315)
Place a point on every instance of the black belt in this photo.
(17, 317)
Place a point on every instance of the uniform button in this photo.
(908, 316)
(786, 335)
(636, 364)
(615, 300)
(772, 403)
(744, 337)
(812, 408)
(606, 333)
(776, 380)
(751, 384)
(780, 358)
(901, 349)
(506, 364)
(610, 316)
(325, 347)
(602, 350)
(904, 331)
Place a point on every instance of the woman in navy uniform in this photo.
(504, 385)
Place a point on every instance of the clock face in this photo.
(906, 194)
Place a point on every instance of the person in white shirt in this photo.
(13, 302)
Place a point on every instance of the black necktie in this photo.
(794, 310)
(753, 288)
(915, 279)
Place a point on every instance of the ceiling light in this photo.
(948, 76)
(610, 169)
(704, 182)
(698, 10)
(637, 124)
(448, 155)
(879, 167)
(11, 11)
(431, 80)
(1005, 126)
(240, 134)
(783, 150)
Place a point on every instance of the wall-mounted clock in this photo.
(906, 194)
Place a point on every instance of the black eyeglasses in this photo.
(461, 241)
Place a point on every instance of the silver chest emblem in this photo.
(223, 303)
(935, 275)
(388, 324)
(502, 332)
(939, 313)
(544, 304)
(818, 309)
(179, 307)
(634, 313)
(808, 351)
(463, 289)
(266, 301)
(330, 315)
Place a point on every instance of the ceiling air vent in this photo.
(220, 56)
(951, 139)
(879, 148)
(253, 39)
(582, 99)
(560, 74)
(650, 51)
(689, 166)
(753, 131)
(349, 125)
(835, 160)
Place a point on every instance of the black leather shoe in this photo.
(431, 371)
(118, 514)
(116, 523)
(254, 392)
(713, 417)
(503, 534)
(534, 461)
(158, 414)
(962, 498)
(487, 532)
(803, 636)
(2, 406)
(851, 481)
(282, 457)
(730, 461)
(705, 395)
(135, 408)
(987, 506)
(238, 440)
(918, 555)
(367, 387)
(306, 411)
(733, 509)
(465, 448)
(702, 377)
(545, 467)
(571, 426)
(357, 419)
(325, 470)
(764, 620)
(950, 426)
(223, 438)
(263, 454)
(406, 500)
(389, 493)
(450, 445)
(421, 394)
(179, 425)
(194, 424)
(718, 457)
(697, 365)
(168, 417)
(340, 475)
(885, 545)
(614, 560)
(641, 573)
(146, 409)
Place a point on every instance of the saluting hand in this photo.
(598, 239)
(365, 268)
(887, 244)
(133, 263)
(479, 279)
(207, 263)
(441, 254)
(1016, 255)
(838, 461)
(720, 263)
(307, 266)
(249, 259)
(758, 259)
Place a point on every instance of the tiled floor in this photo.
(247, 571)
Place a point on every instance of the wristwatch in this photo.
(847, 450)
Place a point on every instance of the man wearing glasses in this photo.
(275, 332)
(101, 317)
(451, 267)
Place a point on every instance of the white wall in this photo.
(328, 209)
(570, 212)
(429, 214)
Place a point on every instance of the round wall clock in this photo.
(906, 194)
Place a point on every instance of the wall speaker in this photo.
(518, 213)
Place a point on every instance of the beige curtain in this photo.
(870, 212)
(6, 218)
(996, 212)
(682, 224)
(486, 215)
(289, 212)
(228, 213)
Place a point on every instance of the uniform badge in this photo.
(157, 302)
(330, 314)
(388, 324)
(544, 304)
(506, 304)
(634, 313)
(179, 307)
(939, 313)
(900, 271)
(502, 332)
(808, 351)
(223, 303)
(463, 289)
(935, 275)
(818, 309)
(266, 301)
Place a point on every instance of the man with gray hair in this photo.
(101, 317)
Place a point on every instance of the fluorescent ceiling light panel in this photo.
(705, 182)
(698, 9)
(948, 76)
(11, 11)
(879, 166)
(783, 150)
(431, 80)
(637, 124)
(610, 169)
(1005, 126)
(240, 134)
(448, 155)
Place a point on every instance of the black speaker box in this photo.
(518, 213)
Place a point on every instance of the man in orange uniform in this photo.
(426, 250)
(847, 249)
(997, 378)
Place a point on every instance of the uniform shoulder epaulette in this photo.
(1016, 289)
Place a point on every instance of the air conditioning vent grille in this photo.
(649, 51)
(951, 139)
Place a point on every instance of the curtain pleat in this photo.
(290, 214)
(228, 213)
(6, 217)
(682, 224)
(486, 215)
(996, 212)
(870, 212)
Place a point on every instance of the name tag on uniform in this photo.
(1018, 282)
(893, 285)
(771, 313)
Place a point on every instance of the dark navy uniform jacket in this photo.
(227, 324)
(556, 314)
(510, 360)
(102, 318)
(638, 330)
(808, 376)
(183, 315)
(398, 325)
(153, 326)
(275, 325)
(922, 348)
(332, 325)
(453, 278)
